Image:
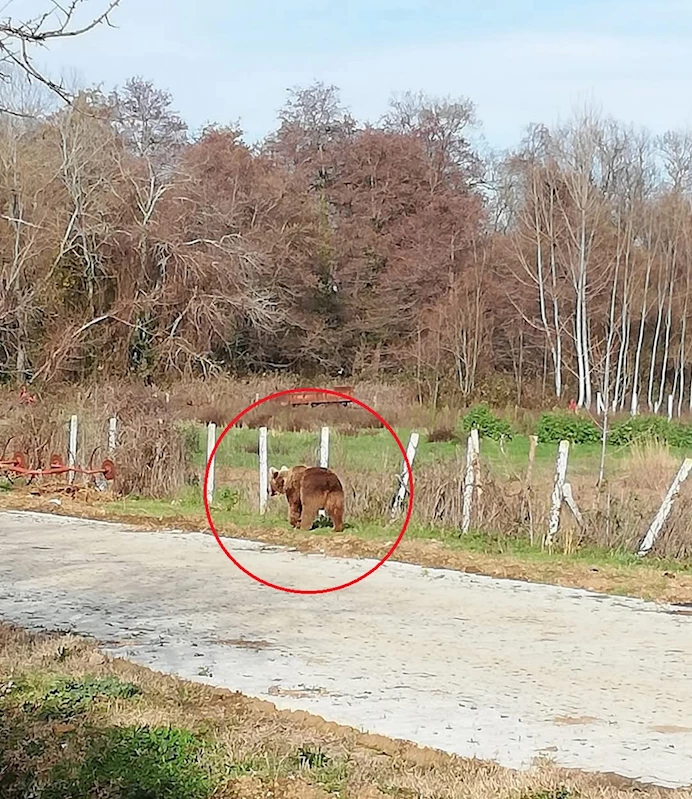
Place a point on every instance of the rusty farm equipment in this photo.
(17, 466)
(316, 398)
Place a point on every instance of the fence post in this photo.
(72, 449)
(526, 490)
(558, 492)
(403, 477)
(211, 443)
(324, 448)
(324, 459)
(568, 496)
(263, 471)
(470, 479)
(533, 443)
(112, 435)
(665, 509)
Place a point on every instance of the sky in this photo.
(519, 61)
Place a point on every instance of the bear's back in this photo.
(316, 478)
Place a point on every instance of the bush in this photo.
(557, 426)
(639, 429)
(487, 424)
(680, 435)
(440, 434)
(652, 429)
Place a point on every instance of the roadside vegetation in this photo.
(75, 724)
(161, 453)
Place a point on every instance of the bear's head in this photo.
(277, 480)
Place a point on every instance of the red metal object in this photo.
(18, 466)
(315, 398)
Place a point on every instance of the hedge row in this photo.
(558, 426)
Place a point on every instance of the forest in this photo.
(131, 246)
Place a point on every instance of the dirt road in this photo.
(480, 667)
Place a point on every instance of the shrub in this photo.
(651, 429)
(440, 434)
(487, 424)
(639, 429)
(680, 435)
(558, 426)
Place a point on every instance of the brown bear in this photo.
(309, 489)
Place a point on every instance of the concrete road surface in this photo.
(480, 667)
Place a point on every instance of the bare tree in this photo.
(57, 20)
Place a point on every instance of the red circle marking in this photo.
(232, 424)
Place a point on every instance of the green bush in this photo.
(651, 428)
(680, 435)
(639, 428)
(560, 426)
(487, 424)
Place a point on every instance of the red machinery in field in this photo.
(315, 398)
(19, 467)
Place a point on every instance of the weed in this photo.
(64, 698)
(312, 758)
(487, 423)
(138, 763)
(550, 793)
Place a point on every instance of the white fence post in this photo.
(211, 443)
(568, 496)
(403, 477)
(112, 435)
(558, 492)
(471, 478)
(665, 509)
(72, 449)
(263, 471)
(324, 459)
(324, 448)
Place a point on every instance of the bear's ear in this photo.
(284, 469)
(272, 471)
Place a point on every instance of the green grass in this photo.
(91, 757)
(375, 450)
(494, 544)
(63, 699)
(138, 763)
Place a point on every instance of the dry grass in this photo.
(270, 753)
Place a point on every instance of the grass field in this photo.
(76, 725)
(161, 458)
